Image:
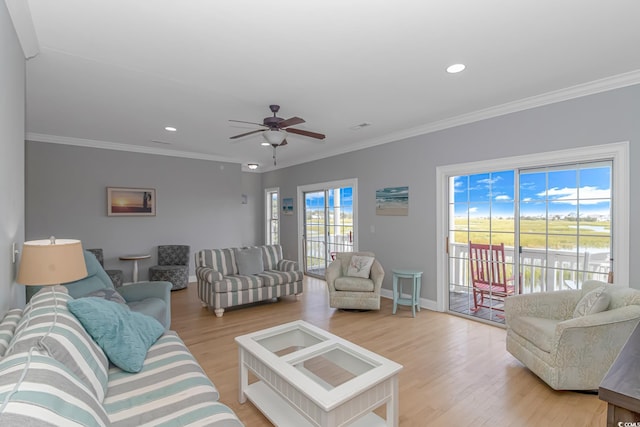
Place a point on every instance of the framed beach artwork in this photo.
(392, 201)
(131, 201)
(287, 206)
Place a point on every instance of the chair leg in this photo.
(475, 300)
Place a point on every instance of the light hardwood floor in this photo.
(456, 371)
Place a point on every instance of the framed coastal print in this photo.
(131, 201)
(287, 206)
(392, 201)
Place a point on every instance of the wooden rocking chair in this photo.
(488, 274)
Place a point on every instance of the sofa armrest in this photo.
(377, 275)
(557, 305)
(140, 290)
(605, 332)
(208, 274)
(287, 265)
(334, 270)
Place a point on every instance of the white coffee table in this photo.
(309, 377)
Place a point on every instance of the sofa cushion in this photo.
(360, 266)
(38, 390)
(271, 255)
(222, 260)
(8, 328)
(171, 389)
(154, 307)
(124, 335)
(249, 261)
(274, 278)
(355, 284)
(48, 325)
(592, 302)
(234, 283)
(537, 330)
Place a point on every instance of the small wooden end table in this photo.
(135, 259)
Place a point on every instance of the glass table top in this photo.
(323, 361)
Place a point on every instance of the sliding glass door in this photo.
(553, 224)
(328, 224)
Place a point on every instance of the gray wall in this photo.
(410, 242)
(12, 116)
(199, 202)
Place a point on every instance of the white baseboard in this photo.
(424, 303)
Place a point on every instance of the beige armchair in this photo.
(353, 292)
(558, 339)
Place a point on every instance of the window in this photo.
(562, 217)
(272, 226)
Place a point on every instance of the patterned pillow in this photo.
(360, 266)
(108, 294)
(593, 302)
(124, 335)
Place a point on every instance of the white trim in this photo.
(352, 182)
(267, 214)
(618, 152)
(104, 145)
(23, 24)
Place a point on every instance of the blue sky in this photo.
(560, 191)
(315, 200)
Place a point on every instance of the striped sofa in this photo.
(221, 284)
(52, 373)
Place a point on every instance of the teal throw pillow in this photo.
(249, 261)
(124, 335)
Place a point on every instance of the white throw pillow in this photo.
(360, 266)
(593, 302)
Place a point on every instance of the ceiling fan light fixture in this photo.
(274, 136)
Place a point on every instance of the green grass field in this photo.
(535, 233)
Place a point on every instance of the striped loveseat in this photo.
(53, 374)
(236, 276)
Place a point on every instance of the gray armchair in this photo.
(563, 343)
(353, 292)
(173, 266)
(150, 298)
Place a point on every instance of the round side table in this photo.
(416, 283)
(135, 259)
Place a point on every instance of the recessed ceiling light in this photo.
(252, 166)
(455, 68)
(170, 129)
(265, 143)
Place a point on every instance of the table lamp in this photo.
(51, 262)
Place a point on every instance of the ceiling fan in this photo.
(276, 129)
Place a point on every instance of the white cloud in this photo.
(570, 195)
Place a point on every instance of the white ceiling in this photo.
(114, 73)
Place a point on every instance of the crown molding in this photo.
(105, 145)
(23, 24)
(577, 91)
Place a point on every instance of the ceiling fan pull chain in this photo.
(274, 155)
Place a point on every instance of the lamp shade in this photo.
(51, 262)
(275, 136)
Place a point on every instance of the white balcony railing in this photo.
(540, 270)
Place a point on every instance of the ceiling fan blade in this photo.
(290, 122)
(248, 133)
(284, 142)
(251, 123)
(306, 133)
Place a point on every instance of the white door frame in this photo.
(352, 182)
(618, 152)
